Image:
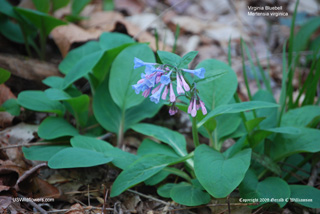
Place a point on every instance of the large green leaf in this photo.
(42, 153)
(149, 146)
(77, 157)
(272, 189)
(41, 20)
(90, 143)
(82, 68)
(236, 108)
(11, 30)
(55, 127)
(78, 54)
(107, 113)
(111, 118)
(139, 171)
(217, 91)
(227, 124)
(187, 58)
(216, 173)
(188, 194)
(172, 138)
(300, 117)
(169, 58)
(305, 195)
(284, 145)
(110, 41)
(121, 158)
(38, 101)
(123, 76)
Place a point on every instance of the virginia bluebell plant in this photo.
(157, 82)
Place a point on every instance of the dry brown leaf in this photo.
(65, 35)
(189, 24)
(109, 21)
(27, 68)
(5, 201)
(104, 21)
(5, 117)
(130, 6)
(76, 209)
(21, 133)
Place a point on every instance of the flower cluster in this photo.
(157, 80)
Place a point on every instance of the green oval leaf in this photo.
(173, 139)
(90, 143)
(42, 153)
(270, 188)
(38, 101)
(222, 175)
(54, 127)
(217, 91)
(305, 195)
(187, 194)
(139, 171)
(123, 76)
(77, 157)
(4, 75)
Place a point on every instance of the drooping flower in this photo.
(155, 97)
(184, 83)
(139, 63)
(198, 72)
(194, 108)
(165, 92)
(203, 108)
(172, 95)
(165, 79)
(173, 109)
(179, 87)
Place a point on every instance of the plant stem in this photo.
(195, 132)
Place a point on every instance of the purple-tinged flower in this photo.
(198, 72)
(156, 89)
(146, 92)
(165, 92)
(173, 110)
(172, 95)
(165, 79)
(156, 96)
(184, 83)
(190, 106)
(179, 87)
(203, 108)
(139, 87)
(194, 108)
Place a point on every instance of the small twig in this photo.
(77, 209)
(105, 201)
(88, 194)
(42, 211)
(149, 197)
(228, 201)
(106, 136)
(258, 210)
(29, 172)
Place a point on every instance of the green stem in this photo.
(121, 130)
(301, 164)
(43, 41)
(195, 132)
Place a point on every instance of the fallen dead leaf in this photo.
(189, 24)
(76, 209)
(105, 21)
(5, 201)
(65, 35)
(19, 134)
(27, 68)
(130, 6)
(5, 117)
